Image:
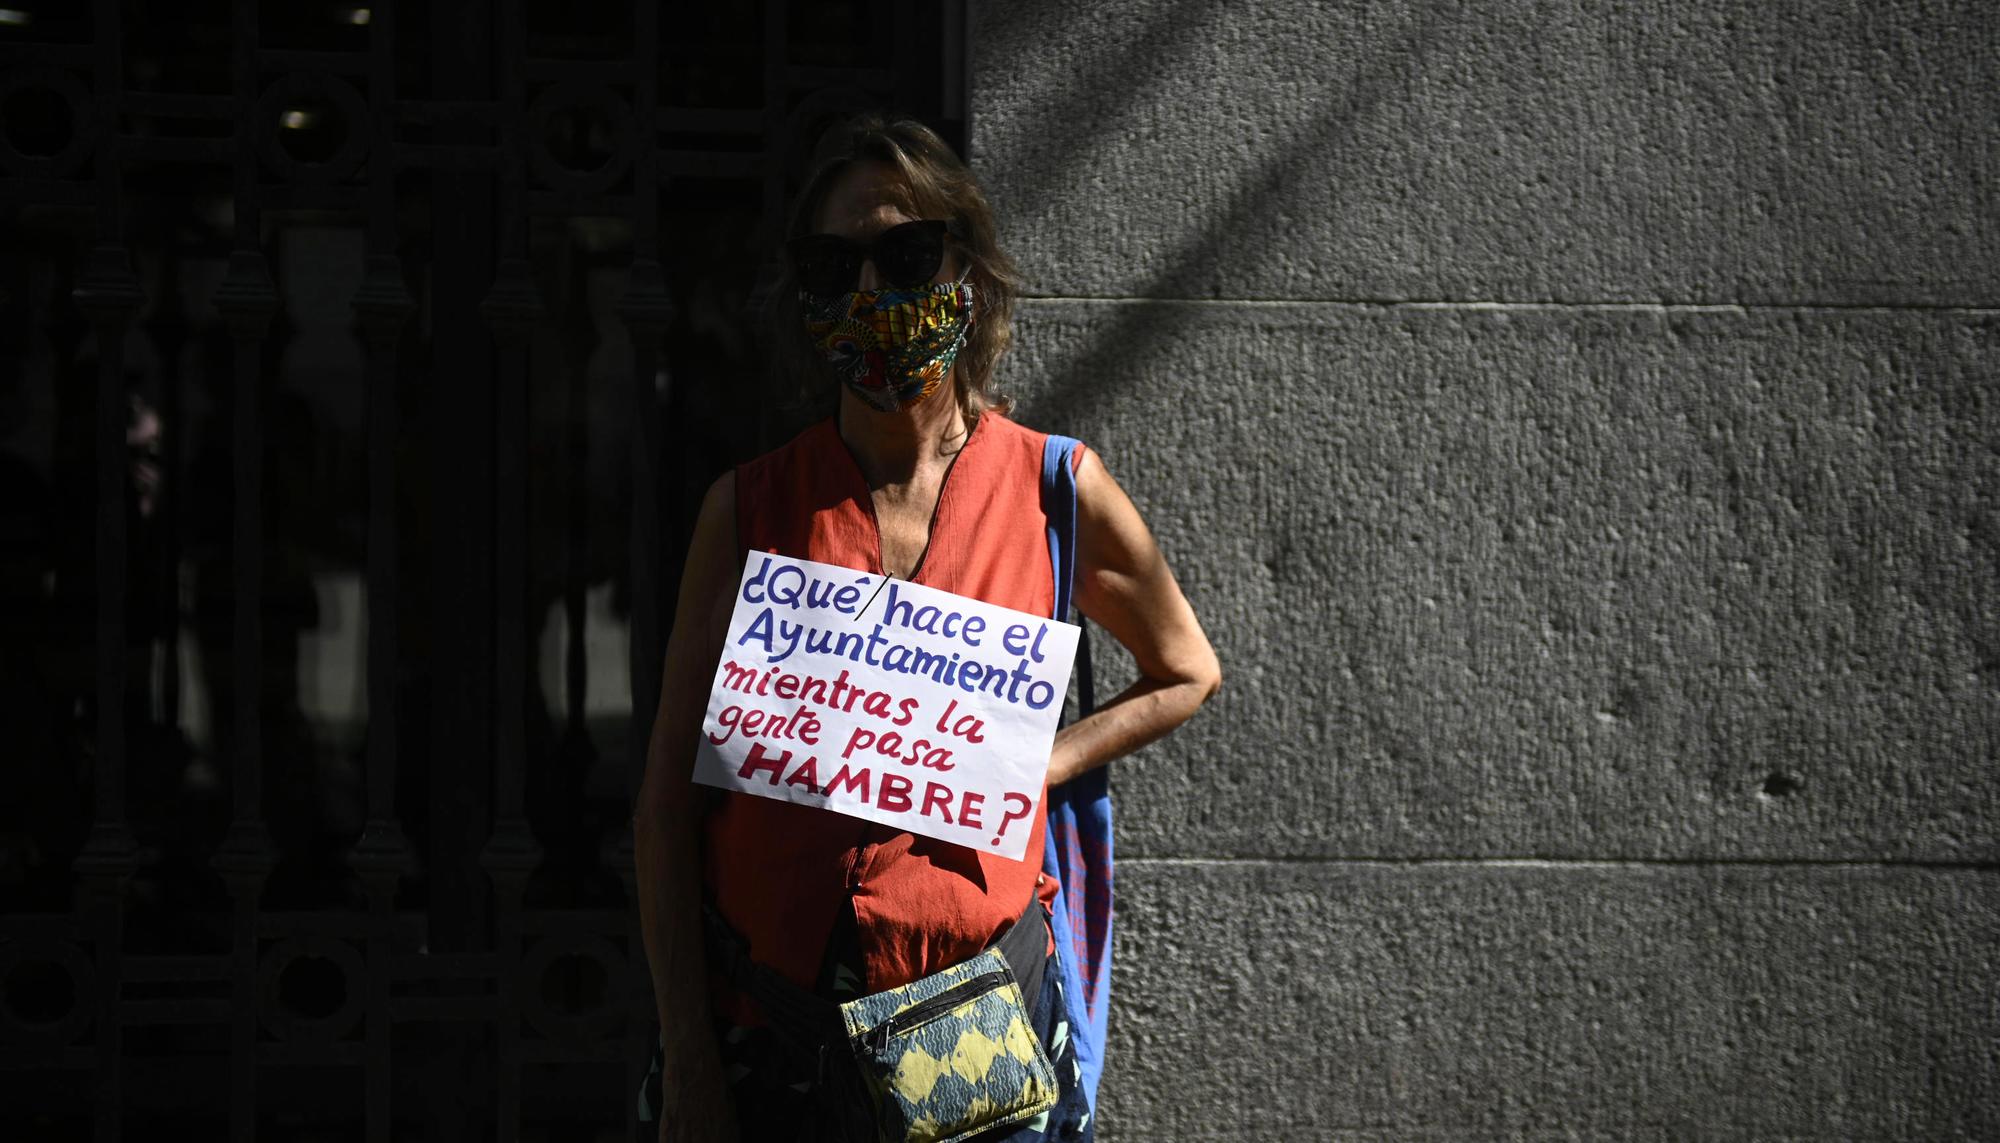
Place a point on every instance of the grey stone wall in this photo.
(1576, 426)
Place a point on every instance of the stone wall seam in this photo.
(1497, 306)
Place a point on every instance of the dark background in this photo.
(371, 362)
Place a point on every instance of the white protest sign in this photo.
(894, 702)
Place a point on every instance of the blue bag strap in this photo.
(1059, 506)
(1078, 850)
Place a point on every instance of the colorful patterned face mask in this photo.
(892, 347)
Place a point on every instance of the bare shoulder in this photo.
(1124, 585)
(719, 502)
(1096, 490)
(1111, 535)
(709, 576)
(715, 525)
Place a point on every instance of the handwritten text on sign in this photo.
(895, 702)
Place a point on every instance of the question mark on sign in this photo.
(1024, 802)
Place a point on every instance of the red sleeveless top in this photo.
(780, 872)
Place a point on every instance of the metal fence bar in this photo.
(108, 292)
(460, 488)
(777, 14)
(574, 752)
(645, 309)
(247, 300)
(168, 330)
(511, 309)
(382, 305)
(778, 122)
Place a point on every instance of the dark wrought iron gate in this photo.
(364, 363)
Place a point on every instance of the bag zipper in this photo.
(876, 1039)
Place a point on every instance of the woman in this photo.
(904, 302)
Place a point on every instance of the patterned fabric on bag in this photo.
(952, 1055)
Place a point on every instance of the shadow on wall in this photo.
(1072, 119)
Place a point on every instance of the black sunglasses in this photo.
(907, 255)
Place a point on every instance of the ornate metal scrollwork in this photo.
(31, 1027)
(573, 1024)
(575, 95)
(83, 122)
(291, 955)
(281, 102)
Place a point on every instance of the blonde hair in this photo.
(935, 183)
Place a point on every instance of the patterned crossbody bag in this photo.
(940, 1059)
(952, 1054)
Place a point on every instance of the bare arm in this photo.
(664, 824)
(1124, 586)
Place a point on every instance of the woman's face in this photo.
(862, 203)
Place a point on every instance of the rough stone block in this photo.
(1700, 151)
(1558, 581)
(1334, 1001)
